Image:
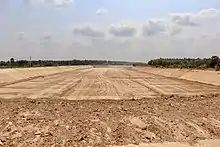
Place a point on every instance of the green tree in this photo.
(12, 60)
(214, 61)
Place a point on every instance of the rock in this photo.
(33, 101)
(37, 133)
(48, 134)
(1, 143)
(10, 123)
(56, 122)
(149, 135)
(137, 122)
(67, 127)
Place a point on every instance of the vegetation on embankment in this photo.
(213, 62)
(12, 63)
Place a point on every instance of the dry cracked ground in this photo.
(98, 107)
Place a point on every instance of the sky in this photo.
(131, 30)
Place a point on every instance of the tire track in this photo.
(178, 79)
(126, 88)
(21, 81)
(152, 88)
(37, 77)
(68, 90)
(71, 87)
(172, 86)
(48, 87)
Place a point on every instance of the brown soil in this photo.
(197, 75)
(107, 106)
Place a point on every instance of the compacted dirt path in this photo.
(107, 107)
(103, 83)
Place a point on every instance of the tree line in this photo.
(38, 63)
(213, 62)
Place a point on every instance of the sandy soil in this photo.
(204, 76)
(108, 107)
(102, 83)
(15, 75)
(202, 143)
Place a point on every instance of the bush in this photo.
(186, 62)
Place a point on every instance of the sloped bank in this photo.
(8, 76)
(204, 76)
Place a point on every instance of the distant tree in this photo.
(2, 63)
(150, 62)
(22, 63)
(12, 60)
(217, 66)
(214, 61)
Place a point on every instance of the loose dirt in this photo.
(108, 107)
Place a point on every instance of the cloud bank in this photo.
(88, 30)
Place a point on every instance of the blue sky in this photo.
(83, 10)
(108, 29)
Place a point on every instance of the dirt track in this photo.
(149, 109)
(103, 83)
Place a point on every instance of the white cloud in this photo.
(143, 49)
(154, 27)
(60, 3)
(101, 11)
(174, 30)
(195, 19)
(122, 31)
(128, 48)
(204, 36)
(127, 43)
(56, 3)
(88, 30)
(209, 13)
(46, 39)
(184, 20)
(20, 35)
(46, 36)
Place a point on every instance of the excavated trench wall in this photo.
(17, 74)
(204, 76)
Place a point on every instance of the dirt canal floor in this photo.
(98, 107)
